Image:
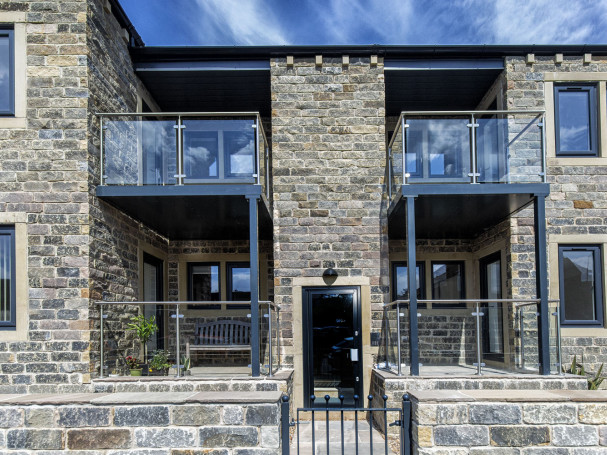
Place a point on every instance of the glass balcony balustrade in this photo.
(183, 149)
(467, 147)
(498, 336)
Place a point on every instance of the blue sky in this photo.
(299, 22)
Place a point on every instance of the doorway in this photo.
(491, 288)
(153, 292)
(332, 345)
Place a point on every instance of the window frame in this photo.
(422, 280)
(11, 324)
(9, 32)
(591, 88)
(598, 321)
(191, 266)
(463, 290)
(229, 267)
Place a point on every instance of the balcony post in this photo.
(254, 268)
(101, 151)
(412, 279)
(541, 279)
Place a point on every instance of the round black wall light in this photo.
(329, 273)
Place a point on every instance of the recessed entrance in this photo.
(332, 345)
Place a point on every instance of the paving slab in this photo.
(440, 395)
(234, 397)
(52, 398)
(143, 398)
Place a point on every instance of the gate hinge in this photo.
(396, 423)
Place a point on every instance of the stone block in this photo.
(233, 415)
(549, 413)
(165, 437)
(519, 436)
(575, 435)
(270, 436)
(141, 416)
(230, 437)
(494, 451)
(74, 417)
(40, 417)
(199, 452)
(593, 413)
(461, 435)
(603, 435)
(34, 439)
(102, 438)
(497, 413)
(195, 415)
(450, 414)
(252, 451)
(258, 415)
(11, 417)
(545, 451)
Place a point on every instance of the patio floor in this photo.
(335, 445)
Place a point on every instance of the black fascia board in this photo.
(126, 23)
(198, 53)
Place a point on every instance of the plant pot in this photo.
(136, 372)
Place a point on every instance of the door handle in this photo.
(354, 355)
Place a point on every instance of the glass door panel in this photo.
(491, 288)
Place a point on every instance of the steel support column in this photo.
(412, 279)
(541, 279)
(254, 268)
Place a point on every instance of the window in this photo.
(448, 283)
(203, 285)
(400, 282)
(7, 72)
(580, 285)
(239, 283)
(7, 278)
(576, 120)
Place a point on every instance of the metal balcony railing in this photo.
(162, 148)
(467, 147)
(500, 333)
(176, 328)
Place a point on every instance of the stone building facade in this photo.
(329, 115)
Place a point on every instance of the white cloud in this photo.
(242, 22)
(548, 21)
(352, 21)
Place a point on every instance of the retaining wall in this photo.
(172, 423)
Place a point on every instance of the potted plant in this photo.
(144, 328)
(133, 364)
(159, 365)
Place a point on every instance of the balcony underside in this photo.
(459, 211)
(192, 212)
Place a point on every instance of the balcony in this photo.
(469, 339)
(199, 164)
(473, 168)
(468, 147)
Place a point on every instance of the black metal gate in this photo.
(335, 424)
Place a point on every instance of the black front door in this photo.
(332, 345)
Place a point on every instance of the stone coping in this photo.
(282, 375)
(143, 398)
(512, 396)
(388, 375)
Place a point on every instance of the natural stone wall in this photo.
(43, 174)
(328, 164)
(576, 205)
(529, 422)
(113, 236)
(185, 422)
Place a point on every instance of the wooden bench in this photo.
(224, 335)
